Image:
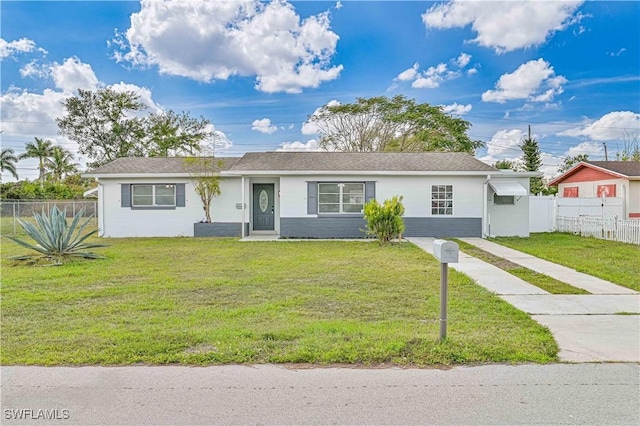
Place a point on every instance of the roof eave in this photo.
(582, 164)
(359, 172)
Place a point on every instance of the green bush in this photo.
(385, 221)
(57, 240)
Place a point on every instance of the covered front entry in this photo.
(263, 207)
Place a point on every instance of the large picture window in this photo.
(163, 195)
(441, 199)
(340, 197)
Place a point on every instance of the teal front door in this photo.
(263, 207)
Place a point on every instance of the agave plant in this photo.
(57, 240)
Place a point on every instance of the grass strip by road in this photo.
(609, 260)
(543, 281)
(201, 301)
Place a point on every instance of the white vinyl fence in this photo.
(624, 231)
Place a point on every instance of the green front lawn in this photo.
(211, 301)
(609, 260)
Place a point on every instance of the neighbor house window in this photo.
(570, 192)
(606, 191)
(442, 199)
(340, 197)
(504, 199)
(163, 195)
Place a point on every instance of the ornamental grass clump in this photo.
(56, 240)
(385, 221)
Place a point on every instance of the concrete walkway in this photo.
(588, 328)
(561, 273)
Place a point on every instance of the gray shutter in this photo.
(369, 191)
(125, 195)
(180, 195)
(312, 197)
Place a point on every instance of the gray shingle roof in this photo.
(309, 161)
(127, 165)
(359, 161)
(627, 168)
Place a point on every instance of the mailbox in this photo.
(445, 251)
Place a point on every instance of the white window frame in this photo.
(154, 202)
(439, 201)
(341, 203)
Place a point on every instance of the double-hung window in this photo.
(347, 197)
(441, 199)
(163, 195)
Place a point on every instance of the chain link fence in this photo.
(12, 210)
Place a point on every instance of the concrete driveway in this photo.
(601, 326)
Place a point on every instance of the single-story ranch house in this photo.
(313, 195)
(603, 179)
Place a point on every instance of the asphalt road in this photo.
(599, 394)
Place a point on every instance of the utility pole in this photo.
(606, 157)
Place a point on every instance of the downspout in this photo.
(100, 210)
(486, 225)
(243, 208)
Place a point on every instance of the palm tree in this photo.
(60, 163)
(8, 162)
(40, 149)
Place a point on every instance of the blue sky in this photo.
(257, 70)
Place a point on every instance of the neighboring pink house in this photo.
(603, 179)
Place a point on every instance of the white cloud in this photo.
(263, 126)
(73, 75)
(611, 126)
(10, 48)
(425, 83)
(245, 38)
(594, 149)
(69, 76)
(309, 127)
(410, 73)
(463, 60)
(505, 25)
(618, 53)
(338, 5)
(34, 70)
(472, 71)
(456, 109)
(435, 75)
(526, 82)
(311, 145)
(505, 143)
(27, 115)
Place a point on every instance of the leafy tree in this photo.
(104, 124)
(107, 125)
(8, 162)
(206, 180)
(168, 134)
(570, 161)
(385, 221)
(70, 188)
(40, 149)
(532, 160)
(631, 150)
(505, 165)
(397, 124)
(60, 164)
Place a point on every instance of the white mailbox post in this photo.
(446, 252)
